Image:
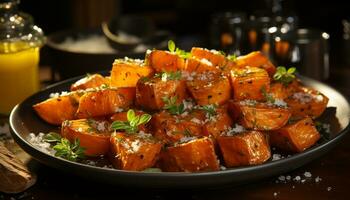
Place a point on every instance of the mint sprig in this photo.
(132, 123)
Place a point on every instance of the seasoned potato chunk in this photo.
(90, 81)
(150, 93)
(172, 128)
(165, 61)
(93, 135)
(248, 83)
(194, 64)
(209, 88)
(296, 137)
(191, 156)
(280, 91)
(242, 149)
(259, 116)
(102, 102)
(307, 102)
(213, 56)
(58, 109)
(217, 123)
(134, 152)
(256, 59)
(126, 72)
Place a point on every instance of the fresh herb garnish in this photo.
(284, 76)
(210, 110)
(172, 106)
(268, 97)
(104, 86)
(144, 79)
(52, 137)
(187, 132)
(131, 126)
(70, 151)
(232, 57)
(172, 48)
(169, 75)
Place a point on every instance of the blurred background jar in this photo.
(20, 41)
(228, 32)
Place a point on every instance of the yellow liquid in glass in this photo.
(18, 73)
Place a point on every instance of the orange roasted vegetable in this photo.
(209, 88)
(242, 149)
(90, 81)
(172, 128)
(101, 102)
(213, 56)
(281, 91)
(259, 116)
(248, 83)
(216, 124)
(190, 156)
(58, 109)
(134, 152)
(93, 135)
(256, 59)
(197, 65)
(307, 102)
(126, 72)
(296, 137)
(165, 61)
(150, 92)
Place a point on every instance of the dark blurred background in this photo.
(180, 16)
(189, 20)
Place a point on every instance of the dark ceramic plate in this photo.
(23, 120)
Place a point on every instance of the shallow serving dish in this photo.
(23, 120)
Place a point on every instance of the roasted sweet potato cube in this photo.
(213, 56)
(248, 82)
(165, 61)
(93, 135)
(101, 102)
(172, 128)
(216, 124)
(307, 102)
(259, 116)
(194, 64)
(192, 156)
(134, 152)
(242, 149)
(256, 59)
(281, 91)
(296, 137)
(55, 110)
(150, 93)
(90, 81)
(126, 72)
(209, 88)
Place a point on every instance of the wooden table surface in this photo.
(330, 178)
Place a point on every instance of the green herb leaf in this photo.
(144, 79)
(69, 151)
(52, 137)
(169, 75)
(131, 126)
(172, 106)
(284, 76)
(268, 97)
(171, 46)
(232, 57)
(187, 133)
(210, 110)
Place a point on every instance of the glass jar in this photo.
(20, 41)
